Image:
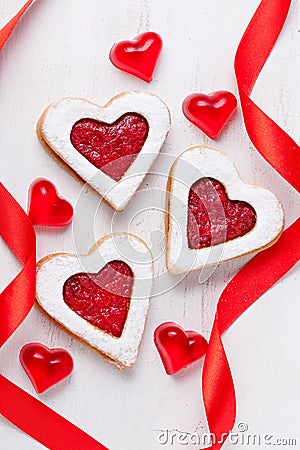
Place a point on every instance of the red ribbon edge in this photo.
(265, 269)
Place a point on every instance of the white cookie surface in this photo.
(192, 165)
(56, 125)
(54, 270)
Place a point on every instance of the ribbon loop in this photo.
(18, 297)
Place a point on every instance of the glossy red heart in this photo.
(213, 218)
(45, 207)
(111, 147)
(210, 112)
(45, 367)
(178, 348)
(103, 299)
(138, 57)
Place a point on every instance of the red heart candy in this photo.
(103, 299)
(138, 57)
(213, 218)
(46, 208)
(178, 348)
(111, 147)
(210, 112)
(45, 367)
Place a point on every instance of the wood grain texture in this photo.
(61, 49)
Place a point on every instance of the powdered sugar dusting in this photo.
(60, 117)
(56, 269)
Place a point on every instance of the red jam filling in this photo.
(103, 298)
(111, 147)
(213, 218)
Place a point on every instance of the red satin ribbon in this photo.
(9, 27)
(18, 298)
(274, 144)
(247, 286)
(41, 422)
(265, 269)
(20, 408)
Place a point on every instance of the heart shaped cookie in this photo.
(111, 147)
(212, 216)
(102, 298)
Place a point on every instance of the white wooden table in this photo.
(61, 49)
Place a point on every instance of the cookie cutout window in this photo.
(213, 218)
(113, 147)
(102, 298)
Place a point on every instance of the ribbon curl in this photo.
(265, 269)
(273, 143)
(18, 297)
